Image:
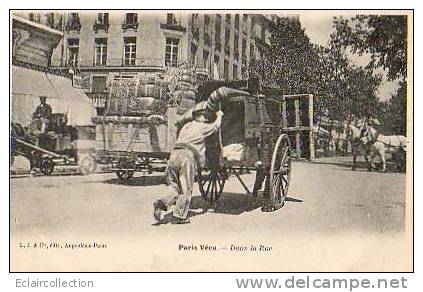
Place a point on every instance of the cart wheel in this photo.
(47, 165)
(125, 175)
(211, 183)
(280, 170)
(86, 164)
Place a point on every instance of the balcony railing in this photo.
(130, 25)
(101, 26)
(173, 26)
(111, 63)
(73, 25)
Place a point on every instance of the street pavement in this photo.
(326, 200)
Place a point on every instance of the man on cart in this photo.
(41, 116)
(38, 130)
(43, 110)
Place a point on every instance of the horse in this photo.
(380, 145)
(353, 131)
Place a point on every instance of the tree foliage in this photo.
(283, 62)
(383, 37)
(292, 63)
(394, 111)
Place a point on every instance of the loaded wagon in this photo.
(133, 144)
(137, 131)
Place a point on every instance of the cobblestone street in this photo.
(326, 199)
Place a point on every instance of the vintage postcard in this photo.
(211, 141)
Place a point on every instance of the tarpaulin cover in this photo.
(28, 85)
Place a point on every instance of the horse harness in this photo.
(374, 138)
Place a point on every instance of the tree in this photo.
(383, 37)
(347, 89)
(286, 63)
(395, 111)
(292, 63)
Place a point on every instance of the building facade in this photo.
(101, 46)
(34, 39)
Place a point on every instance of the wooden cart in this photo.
(255, 121)
(132, 144)
(59, 144)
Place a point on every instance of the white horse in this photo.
(353, 131)
(380, 145)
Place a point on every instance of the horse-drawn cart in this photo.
(47, 143)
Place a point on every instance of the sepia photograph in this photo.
(211, 140)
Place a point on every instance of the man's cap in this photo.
(212, 105)
(201, 106)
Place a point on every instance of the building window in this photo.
(193, 54)
(252, 51)
(245, 23)
(100, 52)
(237, 21)
(206, 60)
(73, 22)
(172, 23)
(103, 18)
(102, 22)
(226, 70)
(131, 21)
(236, 46)
(73, 51)
(244, 48)
(35, 17)
(131, 18)
(227, 40)
(130, 50)
(235, 72)
(171, 51)
(217, 25)
(207, 21)
(227, 36)
(171, 19)
(228, 18)
(194, 20)
(216, 68)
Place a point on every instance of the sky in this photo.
(318, 27)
